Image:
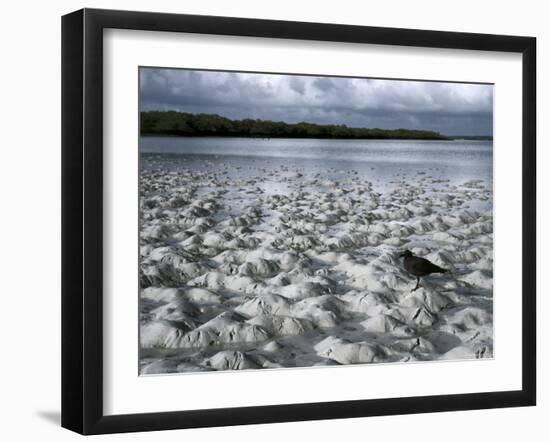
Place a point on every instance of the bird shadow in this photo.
(53, 417)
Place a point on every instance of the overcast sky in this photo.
(449, 108)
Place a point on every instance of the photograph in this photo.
(293, 221)
(270, 220)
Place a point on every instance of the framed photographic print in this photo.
(269, 221)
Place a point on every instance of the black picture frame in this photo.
(82, 218)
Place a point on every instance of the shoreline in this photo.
(295, 138)
(443, 139)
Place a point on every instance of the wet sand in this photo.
(270, 265)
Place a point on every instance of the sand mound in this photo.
(366, 302)
(386, 324)
(265, 304)
(162, 333)
(282, 325)
(345, 352)
(480, 279)
(225, 328)
(259, 268)
(234, 360)
(324, 311)
(162, 366)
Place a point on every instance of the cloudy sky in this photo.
(449, 108)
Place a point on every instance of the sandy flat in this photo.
(274, 266)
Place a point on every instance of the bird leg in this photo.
(417, 284)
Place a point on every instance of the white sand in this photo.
(282, 268)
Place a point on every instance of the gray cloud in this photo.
(450, 108)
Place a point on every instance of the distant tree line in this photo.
(186, 124)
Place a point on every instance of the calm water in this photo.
(381, 160)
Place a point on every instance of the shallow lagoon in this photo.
(456, 160)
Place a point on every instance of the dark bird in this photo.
(419, 267)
